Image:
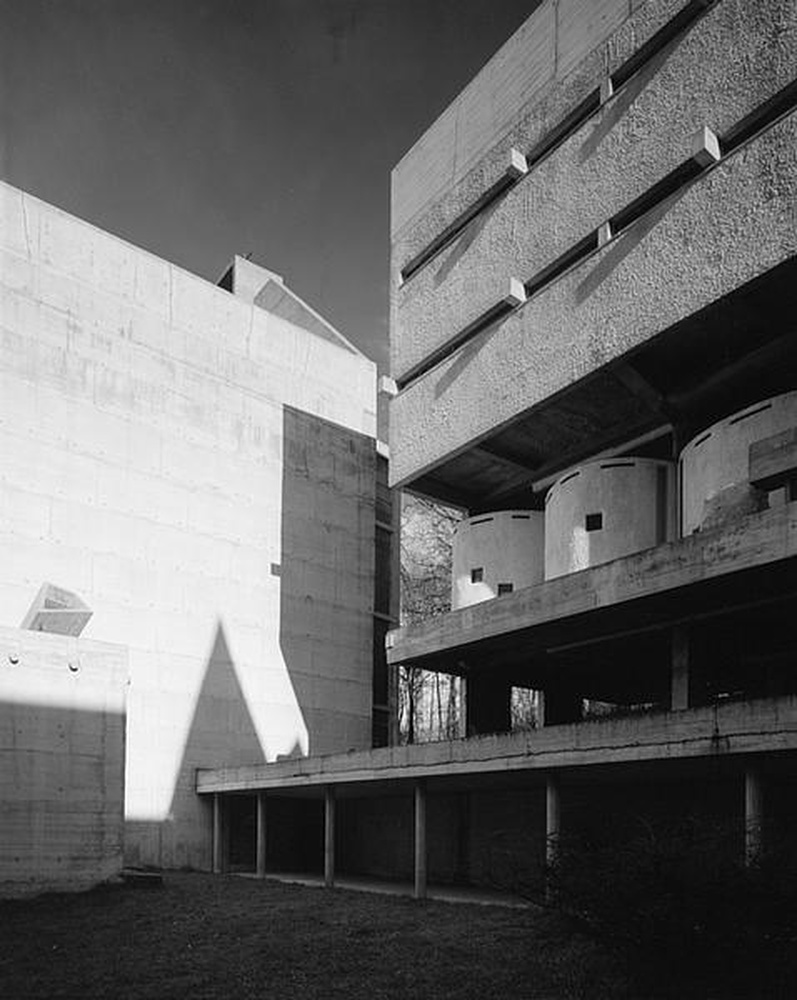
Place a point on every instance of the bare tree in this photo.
(429, 703)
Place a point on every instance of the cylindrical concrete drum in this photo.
(494, 554)
(715, 463)
(607, 509)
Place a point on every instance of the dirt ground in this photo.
(200, 936)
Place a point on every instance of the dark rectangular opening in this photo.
(593, 522)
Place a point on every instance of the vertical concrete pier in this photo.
(260, 846)
(420, 840)
(218, 836)
(753, 815)
(679, 677)
(329, 836)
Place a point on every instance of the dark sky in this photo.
(202, 128)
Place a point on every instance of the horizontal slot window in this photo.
(750, 413)
(760, 118)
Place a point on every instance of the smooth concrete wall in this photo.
(507, 546)
(164, 444)
(715, 464)
(607, 509)
(662, 270)
(730, 62)
(62, 735)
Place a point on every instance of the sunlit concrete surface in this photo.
(200, 471)
(62, 737)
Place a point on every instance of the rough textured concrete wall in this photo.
(145, 419)
(730, 62)
(545, 49)
(62, 733)
(741, 213)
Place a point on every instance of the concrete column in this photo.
(679, 669)
(420, 840)
(560, 707)
(218, 835)
(488, 704)
(260, 848)
(553, 818)
(329, 835)
(753, 815)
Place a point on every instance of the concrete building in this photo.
(594, 272)
(199, 465)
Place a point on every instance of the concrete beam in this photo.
(765, 725)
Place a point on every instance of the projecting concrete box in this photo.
(62, 739)
(715, 463)
(494, 554)
(607, 509)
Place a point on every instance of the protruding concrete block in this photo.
(387, 386)
(57, 610)
(604, 233)
(517, 166)
(606, 89)
(516, 294)
(705, 147)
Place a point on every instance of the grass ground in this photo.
(200, 937)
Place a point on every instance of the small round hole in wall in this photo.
(73, 668)
(13, 659)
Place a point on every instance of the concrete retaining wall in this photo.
(62, 735)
